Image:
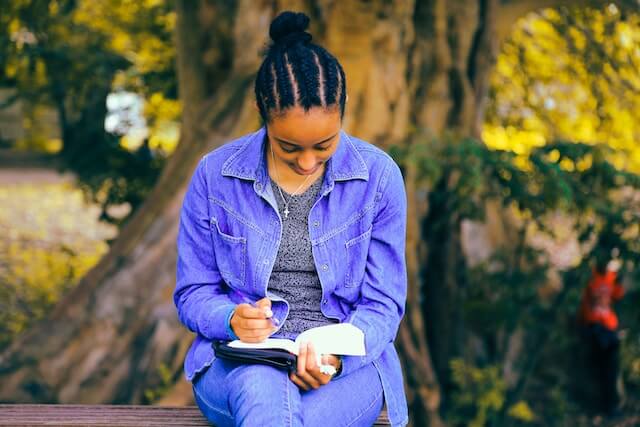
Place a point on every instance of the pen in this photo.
(269, 315)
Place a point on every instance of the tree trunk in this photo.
(421, 65)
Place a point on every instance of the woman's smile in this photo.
(301, 171)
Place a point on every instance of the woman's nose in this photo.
(307, 161)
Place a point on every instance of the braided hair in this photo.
(296, 72)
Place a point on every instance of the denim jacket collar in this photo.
(249, 163)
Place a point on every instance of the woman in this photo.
(294, 226)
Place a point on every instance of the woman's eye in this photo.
(295, 149)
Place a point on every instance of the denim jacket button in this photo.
(258, 186)
(325, 301)
(316, 223)
(325, 267)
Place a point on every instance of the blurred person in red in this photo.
(601, 325)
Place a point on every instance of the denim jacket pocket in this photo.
(357, 252)
(230, 252)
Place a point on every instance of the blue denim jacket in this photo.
(228, 239)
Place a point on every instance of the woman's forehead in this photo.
(301, 127)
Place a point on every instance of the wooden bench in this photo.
(22, 415)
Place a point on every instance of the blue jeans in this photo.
(230, 393)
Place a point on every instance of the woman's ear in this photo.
(255, 105)
(345, 100)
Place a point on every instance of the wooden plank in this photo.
(100, 415)
(23, 415)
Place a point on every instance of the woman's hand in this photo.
(253, 323)
(308, 375)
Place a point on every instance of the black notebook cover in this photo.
(278, 358)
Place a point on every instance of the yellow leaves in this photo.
(512, 139)
(166, 136)
(158, 105)
(152, 3)
(504, 68)
(119, 21)
(163, 115)
(578, 38)
(521, 411)
(53, 145)
(40, 72)
(584, 163)
(14, 26)
(51, 238)
(567, 164)
(572, 78)
(121, 42)
(131, 142)
(542, 28)
(54, 7)
(152, 54)
(11, 70)
(582, 129)
(628, 37)
(168, 21)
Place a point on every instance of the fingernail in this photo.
(268, 312)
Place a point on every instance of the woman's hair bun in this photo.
(288, 28)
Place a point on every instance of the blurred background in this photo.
(516, 124)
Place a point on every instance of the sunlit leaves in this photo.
(570, 74)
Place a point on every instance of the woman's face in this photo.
(304, 140)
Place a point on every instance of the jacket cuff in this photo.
(350, 364)
(232, 336)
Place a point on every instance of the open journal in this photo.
(339, 338)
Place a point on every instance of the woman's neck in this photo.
(287, 178)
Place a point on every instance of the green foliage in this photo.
(479, 394)
(68, 56)
(166, 382)
(512, 290)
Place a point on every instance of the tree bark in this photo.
(409, 65)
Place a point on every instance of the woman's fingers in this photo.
(255, 334)
(314, 369)
(254, 323)
(308, 375)
(298, 381)
(264, 303)
(251, 323)
(308, 370)
(248, 311)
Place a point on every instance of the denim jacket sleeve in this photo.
(203, 304)
(384, 289)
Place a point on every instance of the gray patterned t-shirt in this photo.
(294, 276)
